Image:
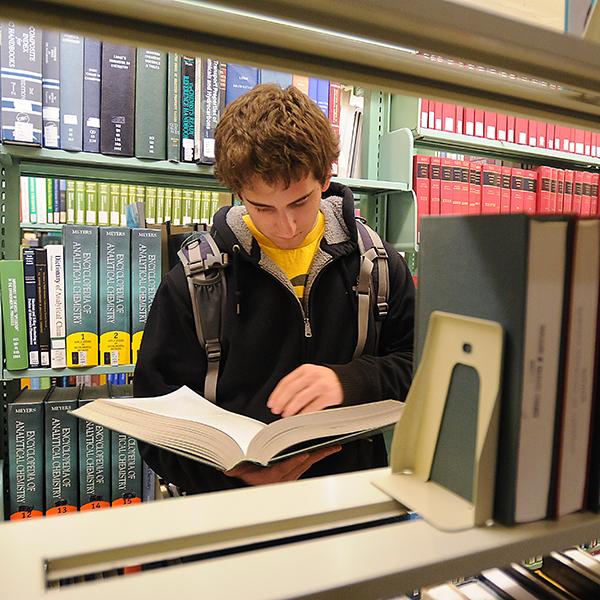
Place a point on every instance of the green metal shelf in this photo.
(42, 226)
(100, 370)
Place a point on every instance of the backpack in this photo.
(204, 265)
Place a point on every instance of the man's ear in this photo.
(326, 184)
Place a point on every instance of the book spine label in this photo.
(91, 203)
(13, 314)
(21, 83)
(56, 305)
(51, 89)
(26, 459)
(41, 283)
(61, 446)
(211, 107)
(103, 204)
(92, 65)
(126, 470)
(31, 308)
(188, 76)
(81, 283)
(173, 106)
(71, 97)
(150, 104)
(94, 465)
(115, 338)
(145, 278)
(117, 104)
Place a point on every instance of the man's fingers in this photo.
(313, 458)
(305, 396)
(290, 385)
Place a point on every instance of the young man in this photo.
(290, 324)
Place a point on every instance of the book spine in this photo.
(283, 80)
(298, 81)
(92, 65)
(197, 207)
(586, 194)
(177, 210)
(126, 470)
(56, 305)
(94, 465)
(40, 200)
(123, 202)
(210, 109)
(568, 197)
(435, 174)
(41, 283)
(150, 212)
(145, 278)
(464, 188)
(31, 307)
(21, 83)
(241, 78)
(505, 191)
(517, 200)
(25, 423)
(61, 445)
(32, 200)
(115, 337)
(335, 106)
(24, 200)
(71, 96)
(160, 205)
(530, 192)
(14, 322)
(173, 106)
(474, 189)
(205, 200)
(593, 192)
(49, 200)
(168, 205)
(80, 202)
(56, 201)
(198, 98)
(114, 205)
(51, 89)
(323, 96)
(91, 203)
(117, 104)
(151, 104)
(446, 187)
(81, 282)
(214, 205)
(543, 196)
(421, 187)
(560, 192)
(70, 201)
(577, 192)
(188, 105)
(187, 207)
(103, 204)
(456, 187)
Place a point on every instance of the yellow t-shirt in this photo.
(296, 262)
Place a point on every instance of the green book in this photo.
(160, 205)
(80, 202)
(150, 211)
(177, 210)
(49, 200)
(114, 205)
(214, 205)
(205, 215)
(61, 451)
(70, 201)
(140, 194)
(32, 200)
(91, 203)
(197, 206)
(123, 202)
(114, 301)
(168, 204)
(12, 289)
(103, 204)
(25, 423)
(81, 290)
(186, 209)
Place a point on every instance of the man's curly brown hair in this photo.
(278, 135)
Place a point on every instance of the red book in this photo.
(558, 138)
(586, 194)
(459, 124)
(577, 192)
(560, 192)
(448, 117)
(579, 141)
(594, 144)
(521, 129)
(544, 175)
(421, 188)
(510, 129)
(489, 122)
(335, 103)
(505, 190)
(517, 198)
(531, 132)
(529, 191)
(541, 134)
(501, 127)
(469, 121)
(431, 120)
(550, 136)
(456, 187)
(474, 189)
(464, 187)
(553, 191)
(572, 141)
(568, 197)
(490, 189)
(435, 174)
(479, 122)
(438, 115)
(587, 143)
(424, 113)
(594, 193)
(446, 187)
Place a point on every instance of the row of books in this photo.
(65, 91)
(59, 464)
(48, 200)
(80, 303)
(481, 123)
(45, 383)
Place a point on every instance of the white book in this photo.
(24, 198)
(186, 423)
(41, 207)
(56, 305)
(507, 584)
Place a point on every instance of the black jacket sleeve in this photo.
(386, 374)
(171, 356)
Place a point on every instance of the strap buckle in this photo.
(382, 310)
(213, 350)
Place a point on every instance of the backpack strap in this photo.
(373, 279)
(203, 263)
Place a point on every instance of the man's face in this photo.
(284, 215)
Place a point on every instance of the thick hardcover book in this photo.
(240, 79)
(25, 422)
(117, 104)
(463, 269)
(91, 203)
(56, 305)
(70, 201)
(283, 80)
(81, 287)
(41, 284)
(145, 278)
(92, 66)
(188, 107)
(14, 324)
(51, 89)
(61, 451)
(21, 83)
(104, 204)
(173, 107)
(114, 302)
(211, 106)
(94, 456)
(188, 424)
(150, 208)
(151, 104)
(31, 307)
(71, 87)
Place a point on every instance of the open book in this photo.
(186, 423)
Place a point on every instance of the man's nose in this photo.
(287, 225)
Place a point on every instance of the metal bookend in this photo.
(451, 340)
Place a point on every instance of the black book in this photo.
(71, 91)
(92, 64)
(41, 282)
(33, 343)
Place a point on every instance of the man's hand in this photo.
(286, 470)
(308, 388)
